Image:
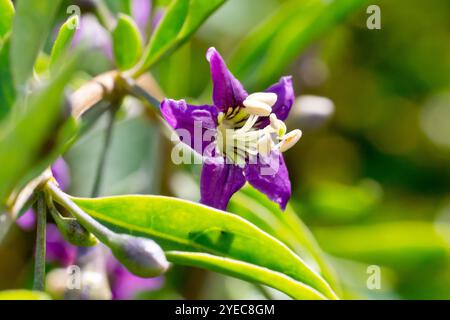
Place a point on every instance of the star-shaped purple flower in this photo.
(241, 137)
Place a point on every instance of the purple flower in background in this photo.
(58, 250)
(125, 285)
(240, 136)
(60, 172)
(142, 10)
(92, 34)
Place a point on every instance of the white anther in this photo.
(290, 139)
(277, 125)
(268, 98)
(265, 145)
(257, 107)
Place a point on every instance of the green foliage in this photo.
(6, 17)
(63, 40)
(127, 42)
(185, 226)
(32, 24)
(265, 53)
(246, 271)
(32, 140)
(181, 20)
(7, 92)
(23, 295)
(400, 245)
(285, 226)
(120, 6)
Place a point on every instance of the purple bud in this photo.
(142, 257)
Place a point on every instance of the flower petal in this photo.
(60, 171)
(219, 181)
(271, 177)
(228, 91)
(285, 99)
(195, 125)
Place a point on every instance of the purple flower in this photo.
(241, 137)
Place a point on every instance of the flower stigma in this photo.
(240, 137)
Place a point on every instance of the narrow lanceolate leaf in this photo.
(63, 40)
(245, 271)
(32, 24)
(264, 54)
(23, 295)
(286, 226)
(31, 140)
(181, 20)
(127, 43)
(6, 17)
(7, 92)
(186, 226)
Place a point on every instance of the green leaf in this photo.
(120, 6)
(265, 53)
(181, 20)
(32, 23)
(6, 17)
(127, 42)
(186, 226)
(400, 245)
(286, 226)
(31, 140)
(23, 295)
(245, 271)
(64, 39)
(7, 92)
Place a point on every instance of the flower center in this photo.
(239, 138)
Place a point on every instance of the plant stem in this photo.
(104, 152)
(39, 260)
(94, 227)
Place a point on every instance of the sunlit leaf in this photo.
(181, 19)
(127, 42)
(23, 295)
(245, 271)
(285, 226)
(32, 24)
(6, 17)
(64, 39)
(186, 226)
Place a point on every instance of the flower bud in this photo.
(142, 257)
(75, 233)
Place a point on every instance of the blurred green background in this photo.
(372, 181)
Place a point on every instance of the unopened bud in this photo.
(75, 233)
(142, 257)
